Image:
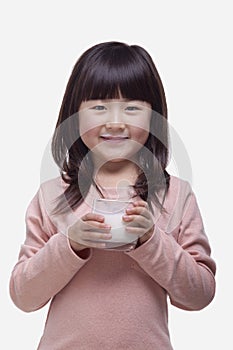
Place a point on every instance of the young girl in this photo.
(111, 135)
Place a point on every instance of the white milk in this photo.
(113, 210)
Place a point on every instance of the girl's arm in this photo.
(46, 261)
(182, 266)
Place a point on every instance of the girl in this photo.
(112, 133)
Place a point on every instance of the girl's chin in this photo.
(117, 160)
(111, 158)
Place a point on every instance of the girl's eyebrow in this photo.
(117, 100)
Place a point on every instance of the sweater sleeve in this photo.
(182, 265)
(46, 261)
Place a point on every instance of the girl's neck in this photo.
(116, 174)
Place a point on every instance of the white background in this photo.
(191, 43)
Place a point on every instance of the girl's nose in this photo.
(115, 125)
(115, 120)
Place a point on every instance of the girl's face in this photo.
(114, 130)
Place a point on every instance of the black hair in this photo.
(107, 71)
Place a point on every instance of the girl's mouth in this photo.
(114, 138)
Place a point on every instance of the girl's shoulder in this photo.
(51, 189)
(178, 199)
(50, 193)
(178, 193)
(177, 184)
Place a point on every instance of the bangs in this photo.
(119, 74)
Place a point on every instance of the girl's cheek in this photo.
(88, 126)
(140, 135)
(89, 139)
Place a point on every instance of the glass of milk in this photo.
(113, 210)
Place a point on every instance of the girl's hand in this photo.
(139, 220)
(87, 231)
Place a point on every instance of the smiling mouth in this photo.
(113, 138)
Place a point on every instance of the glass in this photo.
(113, 210)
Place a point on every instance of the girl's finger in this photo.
(135, 220)
(93, 217)
(93, 225)
(140, 204)
(139, 211)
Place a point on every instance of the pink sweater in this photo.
(113, 300)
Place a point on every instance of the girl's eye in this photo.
(132, 108)
(99, 108)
